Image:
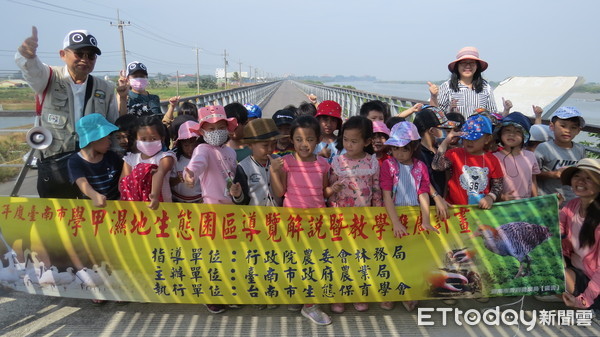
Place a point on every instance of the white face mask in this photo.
(216, 137)
(149, 148)
(138, 84)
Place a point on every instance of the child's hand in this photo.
(507, 104)
(326, 152)
(235, 190)
(123, 85)
(454, 105)
(154, 202)
(486, 202)
(427, 226)
(399, 229)
(174, 100)
(433, 89)
(188, 177)
(99, 200)
(337, 187)
(441, 208)
(537, 111)
(276, 163)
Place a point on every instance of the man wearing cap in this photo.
(64, 95)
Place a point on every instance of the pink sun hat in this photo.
(185, 130)
(468, 53)
(379, 126)
(403, 133)
(212, 114)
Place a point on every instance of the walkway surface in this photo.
(34, 315)
(285, 95)
(23, 314)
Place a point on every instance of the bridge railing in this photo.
(351, 99)
(254, 94)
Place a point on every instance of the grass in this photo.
(12, 149)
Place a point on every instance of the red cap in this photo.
(329, 108)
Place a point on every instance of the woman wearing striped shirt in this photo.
(466, 90)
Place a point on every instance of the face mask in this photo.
(138, 84)
(149, 148)
(216, 137)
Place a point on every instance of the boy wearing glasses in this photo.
(63, 96)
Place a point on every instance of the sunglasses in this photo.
(90, 55)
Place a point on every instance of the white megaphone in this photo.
(39, 138)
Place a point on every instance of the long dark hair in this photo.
(590, 223)
(478, 81)
(361, 123)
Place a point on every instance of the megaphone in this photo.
(38, 138)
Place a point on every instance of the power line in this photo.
(55, 11)
(72, 10)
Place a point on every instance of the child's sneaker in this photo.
(315, 314)
(387, 305)
(338, 308)
(360, 307)
(215, 308)
(294, 307)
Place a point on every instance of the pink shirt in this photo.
(569, 219)
(517, 173)
(304, 182)
(213, 166)
(361, 182)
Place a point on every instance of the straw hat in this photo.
(261, 130)
(588, 164)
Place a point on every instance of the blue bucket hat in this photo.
(254, 111)
(93, 127)
(402, 133)
(566, 112)
(517, 120)
(475, 127)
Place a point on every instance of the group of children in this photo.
(311, 161)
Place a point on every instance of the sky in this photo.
(391, 40)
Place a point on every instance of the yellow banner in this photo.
(195, 253)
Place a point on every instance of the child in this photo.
(254, 111)
(283, 119)
(580, 230)
(187, 140)
(95, 169)
(555, 155)
(357, 171)
(381, 133)
(213, 164)
(519, 166)
(375, 110)
(252, 182)
(538, 133)
(240, 114)
(301, 177)
(150, 135)
(329, 115)
(476, 176)
(125, 123)
(405, 182)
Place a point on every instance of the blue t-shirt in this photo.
(102, 176)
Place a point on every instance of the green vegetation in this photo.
(12, 149)
(591, 87)
(593, 144)
(345, 86)
(17, 98)
(313, 82)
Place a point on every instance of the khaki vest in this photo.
(57, 111)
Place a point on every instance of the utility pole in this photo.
(250, 74)
(197, 71)
(225, 66)
(240, 76)
(120, 24)
(177, 81)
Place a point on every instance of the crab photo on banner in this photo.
(196, 253)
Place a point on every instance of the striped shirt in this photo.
(468, 99)
(406, 189)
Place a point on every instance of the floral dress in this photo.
(361, 182)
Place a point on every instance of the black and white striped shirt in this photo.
(468, 99)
